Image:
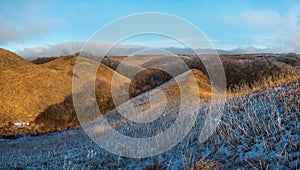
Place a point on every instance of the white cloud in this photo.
(99, 49)
(283, 28)
(263, 18)
(70, 48)
(32, 28)
(23, 20)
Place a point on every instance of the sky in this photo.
(231, 24)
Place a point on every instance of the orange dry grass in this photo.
(137, 60)
(204, 88)
(27, 89)
(262, 85)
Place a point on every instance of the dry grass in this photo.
(44, 90)
(147, 80)
(264, 122)
(243, 72)
(262, 85)
(204, 164)
(28, 90)
(259, 130)
(171, 103)
(133, 60)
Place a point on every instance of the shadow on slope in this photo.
(27, 90)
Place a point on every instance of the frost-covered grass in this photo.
(260, 130)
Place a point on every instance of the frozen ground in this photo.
(260, 130)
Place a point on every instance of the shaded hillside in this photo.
(152, 70)
(256, 70)
(63, 115)
(42, 60)
(160, 104)
(147, 80)
(290, 59)
(55, 117)
(252, 70)
(240, 70)
(28, 89)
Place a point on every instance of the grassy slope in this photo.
(28, 89)
(46, 88)
(62, 115)
(257, 131)
(241, 71)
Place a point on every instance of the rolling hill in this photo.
(36, 95)
(27, 89)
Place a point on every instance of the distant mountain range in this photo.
(124, 50)
(251, 50)
(239, 50)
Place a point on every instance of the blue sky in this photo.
(228, 24)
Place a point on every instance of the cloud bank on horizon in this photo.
(39, 28)
(93, 49)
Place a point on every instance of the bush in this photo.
(42, 60)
